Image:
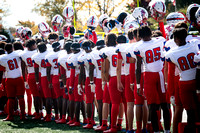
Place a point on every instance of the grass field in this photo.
(31, 126)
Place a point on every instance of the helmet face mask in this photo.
(26, 33)
(140, 14)
(157, 9)
(18, 31)
(3, 38)
(197, 15)
(44, 29)
(57, 22)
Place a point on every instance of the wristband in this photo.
(132, 84)
(65, 86)
(107, 83)
(103, 83)
(198, 91)
(37, 83)
(165, 83)
(91, 82)
(138, 86)
(60, 80)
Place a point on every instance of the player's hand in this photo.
(66, 90)
(50, 86)
(1, 86)
(70, 90)
(38, 86)
(160, 19)
(198, 95)
(103, 85)
(132, 87)
(92, 87)
(139, 91)
(26, 85)
(61, 84)
(120, 87)
(172, 100)
(80, 90)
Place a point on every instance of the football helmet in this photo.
(169, 31)
(190, 14)
(108, 25)
(157, 9)
(102, 18)
(140, 14)
(121, 17)
(90, 35)
(68, 13)
(129, 25)
(26, 33)
(68, 30)
(198, 16)
(3, 38)
(57, 22)
(174, 18)
(92, 21)
(19, 30)
(44, 29)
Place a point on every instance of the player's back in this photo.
(12, 64)
(26, 57)
(183, 57)
(151, 52)
(39, 59)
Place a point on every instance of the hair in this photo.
(38, 40)
(18, 46)
(92, 43)
(121, 39)
(30, 43)
(157, 33)
(111, 39)
(67, 46)
(2, 51)
(53, 35)
(181, 25)
(180, 33)
(8, 47)
(42, 47)
(144, 31)
(75, 46)
(131, 34)
(2, 44)
(56, 46)
(100, 44)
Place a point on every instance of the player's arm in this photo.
(23, 66)
(48, 71)
(81, 75)
(63, 74)
(119, 68)
(161, 25)
(36, 69)
(91, 72)
(106, 69)
(138, 73)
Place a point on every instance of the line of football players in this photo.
(145, 69)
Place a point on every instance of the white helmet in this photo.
(157, 9)
(44, 29)
(68, 13)
(174, 18)
(26, 33)
(102, 18)
(128, 19)
(92, 21)
(57, 22)
(3, 38)
(191, 10)
(140, 14)
(198, 16)
(129, 25)
(19, 30)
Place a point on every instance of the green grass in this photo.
(31, 126)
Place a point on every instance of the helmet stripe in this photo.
(67, 12)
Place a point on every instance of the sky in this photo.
(21, 10)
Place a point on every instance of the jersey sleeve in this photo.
(197, 58)
(137, 51)
(162, 29)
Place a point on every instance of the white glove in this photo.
(92, 85)
(103, 85)
(119, 27)
(26, 85)
(79, 89)
(172, 100)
